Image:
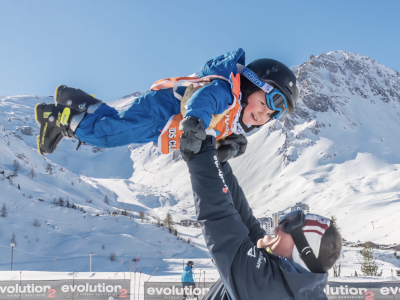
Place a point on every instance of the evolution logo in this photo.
(65, 289)
(176, 290)
(362, 290)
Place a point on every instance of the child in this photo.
(227, 97)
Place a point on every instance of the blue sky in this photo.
(113, 48)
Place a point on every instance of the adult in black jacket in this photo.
(231, 233)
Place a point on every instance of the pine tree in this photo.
(49, 169)
(16, 167)
(168, 221)
(4, 211)
(113, 256)
(32, 173)
(369, 266)
(106, 201)
(336, 270)
(36, 223)
(141, 215)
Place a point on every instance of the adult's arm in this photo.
(245, 272)
(222, 226)
(241, 205)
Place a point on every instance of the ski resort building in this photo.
(276, 217)
(267, 224)
(189, 222)
(185, 222)
(302, 206)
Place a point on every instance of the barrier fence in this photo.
(65, 289)
(378, 290)
(121, 289)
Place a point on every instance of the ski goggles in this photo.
(296, 219)
(292, 220)
(275, 99)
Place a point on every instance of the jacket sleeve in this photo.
(222, 226)
(241, 205)
(190, 273)
(211, 99)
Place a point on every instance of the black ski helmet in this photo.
(274, 73)
(190, 263)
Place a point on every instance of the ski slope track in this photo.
(338, 152)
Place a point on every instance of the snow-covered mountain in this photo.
(338, 152)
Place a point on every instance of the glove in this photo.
(193, 135)
(232, 146)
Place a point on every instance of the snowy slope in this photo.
(337, 153)
(68, 234)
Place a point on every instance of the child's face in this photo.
(257, 112)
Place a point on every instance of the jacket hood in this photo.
(303, 284)
(224, 65)
(187, 268)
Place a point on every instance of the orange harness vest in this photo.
(169, 138)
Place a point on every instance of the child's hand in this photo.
(192, 137)
(232, 146)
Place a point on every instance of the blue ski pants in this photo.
(141, 122)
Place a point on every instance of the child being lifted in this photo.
(226, 97)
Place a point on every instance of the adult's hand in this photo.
(267, 241)
(232, 146)
(193, 135)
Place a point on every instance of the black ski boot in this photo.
(76, 99)
(55, 123)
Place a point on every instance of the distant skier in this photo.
(187, 277)
(227, 97)
(291, 265)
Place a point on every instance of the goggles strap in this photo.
(250, 75)
(305, 251)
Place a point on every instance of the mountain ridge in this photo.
(337, 152)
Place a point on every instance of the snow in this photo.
(338, 153)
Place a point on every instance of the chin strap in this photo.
(246, 129)
(306, 253)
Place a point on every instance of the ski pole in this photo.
(123, 269)
(134, 283)
(151, 275)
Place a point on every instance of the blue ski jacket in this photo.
(148, 114)
(231, 232)
(187, 274)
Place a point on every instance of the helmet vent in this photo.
(289, 89)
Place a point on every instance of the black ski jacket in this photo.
(231, 232)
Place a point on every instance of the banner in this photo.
(120, 289)
(65, 289)
(176, 290)
(376, 290)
